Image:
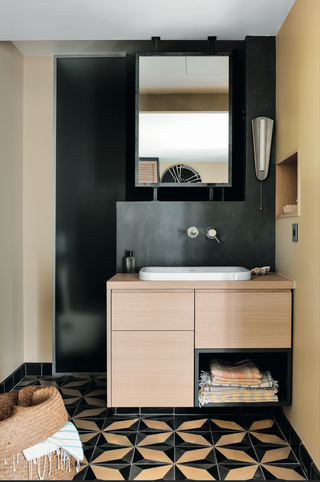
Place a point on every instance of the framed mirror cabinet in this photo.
(183, 120)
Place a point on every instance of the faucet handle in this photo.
(211, 233)
(192, 232)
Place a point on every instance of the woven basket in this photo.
(27, 417)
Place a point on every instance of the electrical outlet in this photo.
(295, 233)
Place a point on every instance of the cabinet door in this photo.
(152, 368)
(152, 310)
(243, 319)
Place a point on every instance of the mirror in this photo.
(183, 121)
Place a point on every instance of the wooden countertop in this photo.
(270, 281)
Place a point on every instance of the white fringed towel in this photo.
(67, 439)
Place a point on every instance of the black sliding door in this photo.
(90, 179)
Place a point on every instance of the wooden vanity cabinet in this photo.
(160, 335)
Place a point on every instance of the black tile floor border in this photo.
(234, 444)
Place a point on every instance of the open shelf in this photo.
(277, 360)
(288, 185)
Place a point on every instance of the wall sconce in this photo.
(262, 137)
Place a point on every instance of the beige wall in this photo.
(11, 290)
(184, 102)
(298, 125)
(37, 207)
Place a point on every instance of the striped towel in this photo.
(254, 396)
(67, 439)
(206, 384)
(242, 370)
(210, 392)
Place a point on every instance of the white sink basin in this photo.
(194, 273)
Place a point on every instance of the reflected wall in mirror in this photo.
(183, 119)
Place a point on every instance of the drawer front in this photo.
(155, 310)
(152, 368)
(243, 319)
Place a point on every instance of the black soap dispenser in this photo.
(130, 261)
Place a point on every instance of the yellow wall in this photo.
(298, 84)
(37, 207)
(11, 211)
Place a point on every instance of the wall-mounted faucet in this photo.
(192, 232)
(211, 233)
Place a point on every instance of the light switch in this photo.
(295, 233)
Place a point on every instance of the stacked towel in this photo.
(244, 372)
(238, 382)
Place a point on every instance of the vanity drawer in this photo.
(242, 319)
(152, 368)
(153, 310)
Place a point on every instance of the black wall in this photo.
(95, 126)
(90, 178)
(156, 231)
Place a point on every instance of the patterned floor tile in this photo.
(259, 438)
(183, 424)
(227, 424)
(88, 425)
(55, 381)
(156, 472)
(77, 383)
(89, 438)
(81, 475)
(198, 455)
(263, 425)
(245, 455)
(111, 473)
(185, 439)
(27, 381)
(282, 454)
(118, 424)
(99, 382)
(72, 392)
(88, 453)
(195, 472)
(88, 401)
(152, 455)
(243, 472)
(114, 455)
(168, 447)
(283, 472)
(108, 440)
(221, 439)
(159, 424)
(145, 439)
(88, 413)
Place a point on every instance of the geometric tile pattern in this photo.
(170, 447)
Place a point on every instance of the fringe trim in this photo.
(63, 459)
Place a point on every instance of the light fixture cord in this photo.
(260, 195)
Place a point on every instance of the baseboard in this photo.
(26, 369)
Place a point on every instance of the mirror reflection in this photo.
(183, 120)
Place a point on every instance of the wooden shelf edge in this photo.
(287, 215)
(283, 159)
